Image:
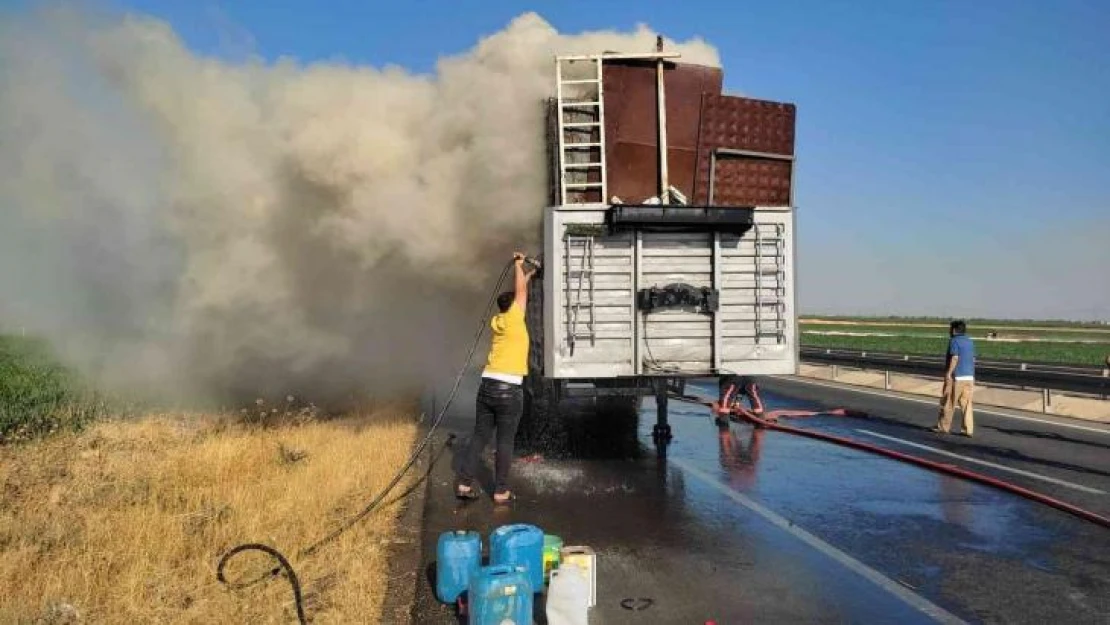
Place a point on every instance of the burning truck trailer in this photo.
(669, 236)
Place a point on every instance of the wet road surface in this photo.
(1067, 459)
(743, 525)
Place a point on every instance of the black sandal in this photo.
(469, 494)
(504, 497)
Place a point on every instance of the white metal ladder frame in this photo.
(780, 282)
(584, 272)
(564, 145)
(780, 278)
(758, 283)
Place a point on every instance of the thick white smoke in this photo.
(190, 225)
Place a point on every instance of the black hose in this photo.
(375, 503)
(284, 565)
(427, 472)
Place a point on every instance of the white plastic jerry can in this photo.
(586, 558)
(568, 596)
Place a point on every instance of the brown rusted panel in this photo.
(631, 132)
(742, 181)
(751, 125)
(681, 164)
(747, 124)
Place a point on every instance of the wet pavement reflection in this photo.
(661, 531)
(928, 531)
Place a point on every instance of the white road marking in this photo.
(1000, 467)
(854, 389)
(898, 590)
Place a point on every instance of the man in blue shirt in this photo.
(959, 380)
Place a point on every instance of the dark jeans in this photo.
(499, 406)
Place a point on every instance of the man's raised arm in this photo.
(520, 288)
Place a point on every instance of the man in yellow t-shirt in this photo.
(500, 399)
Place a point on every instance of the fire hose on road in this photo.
(769, 423)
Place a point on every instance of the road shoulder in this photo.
(406, 549)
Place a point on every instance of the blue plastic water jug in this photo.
(500, 595)
(519, 545)
(458, 558)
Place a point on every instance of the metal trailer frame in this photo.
(758, 300)
(635, 381)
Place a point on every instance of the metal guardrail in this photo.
(1089, 381)
(1021, 365)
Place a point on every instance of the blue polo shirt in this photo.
(962, 347)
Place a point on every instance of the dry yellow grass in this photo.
(125, 523)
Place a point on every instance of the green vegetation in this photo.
(1030, 351)
(980, 331)
(1066, 342)
(972, 321)
(38, 395)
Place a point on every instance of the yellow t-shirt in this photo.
(508, 353)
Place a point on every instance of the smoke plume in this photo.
(193, 226)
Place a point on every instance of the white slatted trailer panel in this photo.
(570, 351)
(757, 316)
(593, 330)
(675, 340)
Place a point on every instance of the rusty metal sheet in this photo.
(747, 124)
(631, 125)
(752, 125)
(742, 181)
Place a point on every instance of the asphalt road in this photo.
(1068, 459)
(744, 525)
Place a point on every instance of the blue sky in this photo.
(954, 156)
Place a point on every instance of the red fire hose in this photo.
(950, 469)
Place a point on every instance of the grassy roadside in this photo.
(107, 516)
(124, 522)
(40, 396)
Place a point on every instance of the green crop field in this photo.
(1003, 332)
(971, 321)
(1064, 353)
(1033, 341)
